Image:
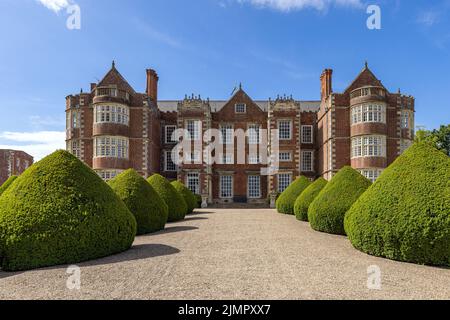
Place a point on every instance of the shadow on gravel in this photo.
(4, 275)
(137, 252)
(192, 218)
(173, 229)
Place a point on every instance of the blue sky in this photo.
(207, 47)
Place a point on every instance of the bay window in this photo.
(111, 147)
(118, 114)
(369, 146)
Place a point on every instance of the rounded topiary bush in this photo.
(187, 194)
(326, 213)
(405, 215)
(303, 202)
(59, 211)
(174, 200)
(198, 199)
(285, 202)
(150, 211)
(7, 183)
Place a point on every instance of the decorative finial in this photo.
(240, 85)
(81, 90)
(366, 64)
(113, 64)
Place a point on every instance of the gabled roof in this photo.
(113, 77)
(365, 78)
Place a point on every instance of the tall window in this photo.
(169, 130)
(307, 161)
(405, 119)
(369, 113)
(254, 187)
(112, 114)
(284, 180)
(111, 147)
(307, 134)
(226, 131)
(75, 148)
(285, 130)
(254, 134)
(226, 187)
(75, 119)
(193, 128)
(240, 108)
(193, 182)
(227, 158)
(253, 158)
(371, 174)
(369, 146)
(169, 165)
(194, 157)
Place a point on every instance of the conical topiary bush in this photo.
(326, 213)
(150, 211)
(405, 215)
(7, 183)
(187, 194)
(303, 202)
(285, 202)
(173, 199)
(59, 211)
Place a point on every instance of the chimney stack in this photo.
(326, 83)
(152, 84)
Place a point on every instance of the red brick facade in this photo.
(13, 163)
(113, 128)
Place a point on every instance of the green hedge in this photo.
(61, 212)
(174, 200)
(285, 202)
(7, 183)
(198, 199)
(303, 202)
(187, 194)
(326, 213)
(150, 211)
(405, 215)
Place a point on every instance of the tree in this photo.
(439, 138)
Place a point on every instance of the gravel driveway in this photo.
(234, 254)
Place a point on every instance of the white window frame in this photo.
(307, 167)
(285, 159)
(284, 175)
(226, 133)
(280, 130)
(373, 146)
(406, 119)
(168, 154)
(112, 113)
(240, 105)
(108, 174)
(254, 133)
(226, 158)
(371, 174)
(193, 177)
(254, 158)
(111, 147)
(168, 137)
(311, 140)
(368, 113)
(254, 187)
(229, 184)
(75, 148)
(75, 119)
(193, 134)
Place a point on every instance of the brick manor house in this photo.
(112, 128)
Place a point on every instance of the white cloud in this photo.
(428, 18)
(38, 144)
(56, 5)
(290, 5)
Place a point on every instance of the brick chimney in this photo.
(326, 87)
(152, 84)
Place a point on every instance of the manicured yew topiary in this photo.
(307, 197)
(59, 211)
(174, 200)
(7, 183)
(150, 211)
(285, 202)
(198, 199)
(405, 215)
(326, 213)
(187, 194)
